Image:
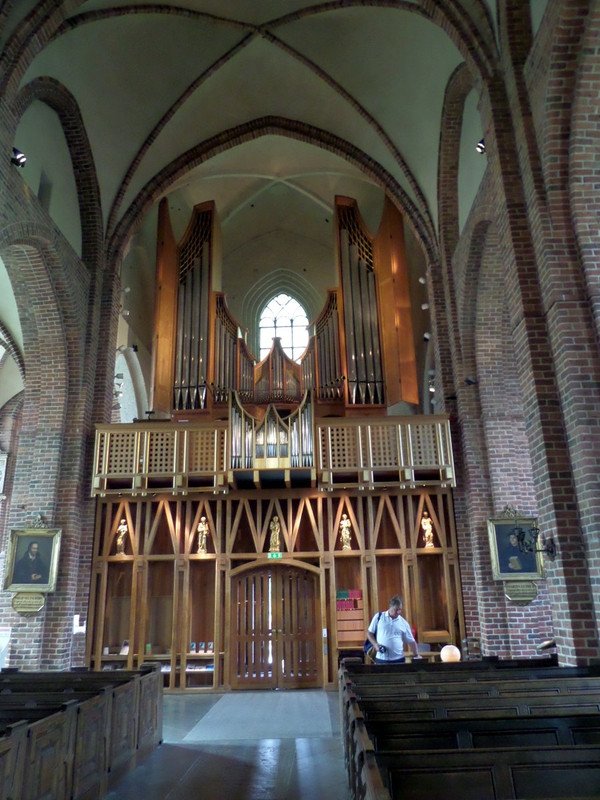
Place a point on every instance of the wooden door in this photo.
(275, 629)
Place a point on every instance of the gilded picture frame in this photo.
(509, 563)
(32, 560)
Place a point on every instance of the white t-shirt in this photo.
(393, 634)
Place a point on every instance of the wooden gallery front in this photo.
(245, 536)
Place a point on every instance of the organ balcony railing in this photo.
(275, 451)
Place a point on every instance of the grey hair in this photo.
(396, 601)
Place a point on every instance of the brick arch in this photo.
(584, 172)
(12, 349)
(265, 126)
(30, 38)
(442, 274)
(50, 443)
(45, 363)
(59, 99)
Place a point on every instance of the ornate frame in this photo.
(509, 563)
(49, 548)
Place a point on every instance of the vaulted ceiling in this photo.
(268, 107)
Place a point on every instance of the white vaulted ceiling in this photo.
(154, 81)
(269, 108)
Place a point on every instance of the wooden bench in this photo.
(78, 740)
(468, 734)
(475, 732)
(554, 773)
(497, 688)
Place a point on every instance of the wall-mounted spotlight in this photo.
(426, 336)
(480, 146)
(527, 541)
(424, 306)
(423, 280)
(18, 158)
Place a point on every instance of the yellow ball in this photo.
(450, 653)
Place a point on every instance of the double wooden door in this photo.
(275, 640)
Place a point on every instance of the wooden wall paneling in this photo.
(97, 611)
(142, 604)
(223, 611)
(13, 747)
(326, 626)
(165, 314)
(410, 590)
(183, 630)
(89, 756)
(395, 308)
(180, 604)
(123, 730)
(49, 743)
(137, 636)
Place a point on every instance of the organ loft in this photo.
(236, 488)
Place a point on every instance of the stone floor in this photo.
(244, 746)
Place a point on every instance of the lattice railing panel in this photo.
(120, 458)
(409, 451)
(424, 445)
(161, 452)
(380, 446)
(339, 447)
(206, 451)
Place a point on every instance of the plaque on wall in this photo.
(520, 592)
(28, 602)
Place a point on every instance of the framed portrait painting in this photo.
(509, 562)
(32, 560)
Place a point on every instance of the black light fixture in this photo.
(426, 336)
(470, 380)
(18, 158)
(480, 146)
(527, 539)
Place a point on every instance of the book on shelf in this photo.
(192, 647)
(210, 647)
(124, 651)
(201, 647)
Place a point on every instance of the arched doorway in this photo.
(274, 628)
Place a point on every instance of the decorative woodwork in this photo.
(165, 314)
(142, 458)
(161, 592)
(395, 308)
(275, 628)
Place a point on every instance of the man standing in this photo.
(30, 568)
(389, 632)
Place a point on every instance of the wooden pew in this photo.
(474, 732)
(554, 773)
(80, 739)
(497, 688)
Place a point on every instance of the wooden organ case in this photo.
(245, 537)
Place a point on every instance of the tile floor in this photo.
(281, 746)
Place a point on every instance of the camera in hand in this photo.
(382, 648)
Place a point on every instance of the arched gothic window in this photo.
(284, 317)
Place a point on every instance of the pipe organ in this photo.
(234, 497)
(191, 352)
(363, 350)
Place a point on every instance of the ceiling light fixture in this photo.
(18, 158)
(480, 146)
